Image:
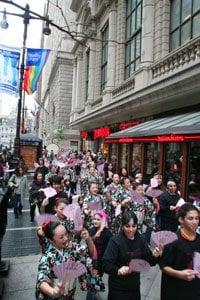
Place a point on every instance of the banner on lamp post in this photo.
(9, 70)
(35, 61)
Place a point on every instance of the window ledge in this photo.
(124, 87)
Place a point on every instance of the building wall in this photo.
(56, 86)
(163, 81)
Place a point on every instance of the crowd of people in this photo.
(119, 214)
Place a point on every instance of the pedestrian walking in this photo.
(19, 183)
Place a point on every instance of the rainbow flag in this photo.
(35, 61)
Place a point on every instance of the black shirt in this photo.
(119, 252)
(179, 256)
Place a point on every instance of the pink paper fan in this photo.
(180, 202)
(154, 193)
(118, 210)
(49, 192)
(139, 265)
(69, 270)
(137, 198)
(196, 263)
(162, 238)
(41, 219)
(94, 206)
(73, 212)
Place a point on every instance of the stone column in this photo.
(112, 48)
(78, 102)
(147, 32)
(74, 87)
(91, 82)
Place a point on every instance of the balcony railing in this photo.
(177, 59)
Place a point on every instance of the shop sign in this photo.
(84, 134)
(170, 138)
(125, 125)
(101, 132)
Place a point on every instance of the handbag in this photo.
(11, 202)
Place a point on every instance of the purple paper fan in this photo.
(154, 193)
(41, 219)
(137, 197)
(139, 265)
(196, 263)
(162, 238)
(73, 212)
(94, 205)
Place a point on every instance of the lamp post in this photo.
(46, 30)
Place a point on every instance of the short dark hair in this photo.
(127, 216)
(185, 208)
(55, 179)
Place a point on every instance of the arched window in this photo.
(184, 21)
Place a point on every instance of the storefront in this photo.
(96, 140)
(170, 146)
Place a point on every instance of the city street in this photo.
(21, 247)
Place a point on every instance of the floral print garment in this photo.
(113, 190)
(77, 252)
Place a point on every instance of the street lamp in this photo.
(46, 30)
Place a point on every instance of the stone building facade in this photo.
(148, 66)
(55, 93)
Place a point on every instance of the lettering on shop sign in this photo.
(126, 140)
(170, 138)
(84, 134)
(101, 132)
(125, 125)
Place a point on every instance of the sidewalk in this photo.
(20, 283)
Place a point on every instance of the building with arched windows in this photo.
(138, 61)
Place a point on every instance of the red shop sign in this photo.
(84, 134)
(125, 125)
(101, 132)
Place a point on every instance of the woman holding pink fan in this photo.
(180, 262)
(126, 255)
(58, 269)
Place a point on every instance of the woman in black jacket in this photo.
(36, 196)
(121, 249)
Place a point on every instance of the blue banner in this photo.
(9, 70)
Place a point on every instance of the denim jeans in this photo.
(91, 296)
(17, 204)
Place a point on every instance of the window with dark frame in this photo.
(104, 56)
(133, 36)
(184, 22)
(87, 73)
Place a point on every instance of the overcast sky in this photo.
(13, 36)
